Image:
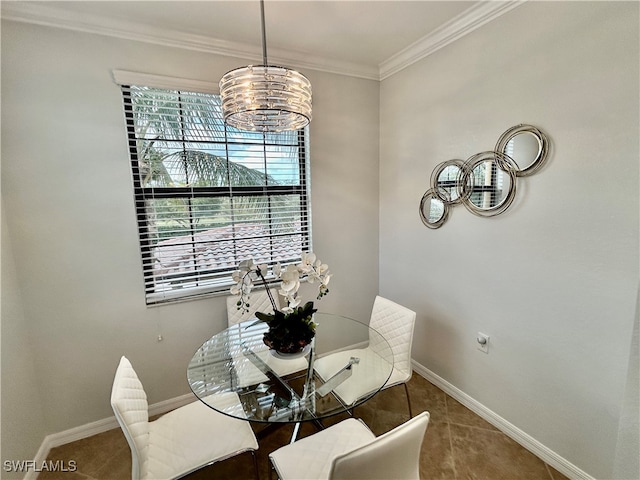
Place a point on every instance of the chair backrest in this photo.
(258, 302)
(129, 403)
(396, 454)
(396, 324)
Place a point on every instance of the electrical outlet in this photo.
(483, 342)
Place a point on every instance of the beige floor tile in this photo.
(556, 475)
(436, 460)
(458, 444)
(63, 476)
(367, 411)
(427, 397)
(386, 420)
(102, 456)
(392, 399)
(460, 415)
(481, 454)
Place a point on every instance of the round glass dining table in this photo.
(236, 374)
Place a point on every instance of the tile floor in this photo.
(458, 445)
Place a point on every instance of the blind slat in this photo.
(208, 196)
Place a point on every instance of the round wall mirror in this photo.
(486, 182)
(489, 181)
(526, 145)
(446, 181)
(433, 210)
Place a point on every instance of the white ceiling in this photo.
(370, 39)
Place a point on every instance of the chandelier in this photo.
(265, 98)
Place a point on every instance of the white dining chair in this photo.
(180, 441)
(259, 302)
(396, 324)
(349, 450)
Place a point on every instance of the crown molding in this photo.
(46, 15)
(459, 26)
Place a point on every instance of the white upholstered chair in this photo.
(349, 450)
(259, 302)
(396, 324)
(181, 441)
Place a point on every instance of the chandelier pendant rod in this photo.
(264, 35)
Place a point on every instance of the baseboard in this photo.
(538, 449)
(100, 426)
(547, 455)
(94, 428)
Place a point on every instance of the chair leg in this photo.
(256, 473)
(406, 390)
(272, 470)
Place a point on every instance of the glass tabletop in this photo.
(235, 373)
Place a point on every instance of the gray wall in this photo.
(69, 216)
(553, 280)
(627, 460)
(22, 413)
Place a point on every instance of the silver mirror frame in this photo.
(543, 147)
(443, 192)
(463, 185)
(428, 196)
(506, 165)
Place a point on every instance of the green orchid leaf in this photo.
(265, 317)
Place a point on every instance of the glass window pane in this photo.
(209, 196)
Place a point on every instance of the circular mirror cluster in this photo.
(486, 182)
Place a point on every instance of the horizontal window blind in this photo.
(208, 196)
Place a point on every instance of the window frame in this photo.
(221, 281)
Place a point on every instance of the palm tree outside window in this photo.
(208, 196)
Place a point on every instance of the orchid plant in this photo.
(291, 327)
(310, 270)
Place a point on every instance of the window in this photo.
(488, 185)
(208, 196)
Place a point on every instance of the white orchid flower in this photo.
(310, 269)
(246, 265)
(291, 270)
(308, 258)
(289, 287)
(290, 279)
(293, 301)
(307, 261)
(263, 268)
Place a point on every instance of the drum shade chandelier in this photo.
(265, 98)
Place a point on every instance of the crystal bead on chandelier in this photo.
(265, 98)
